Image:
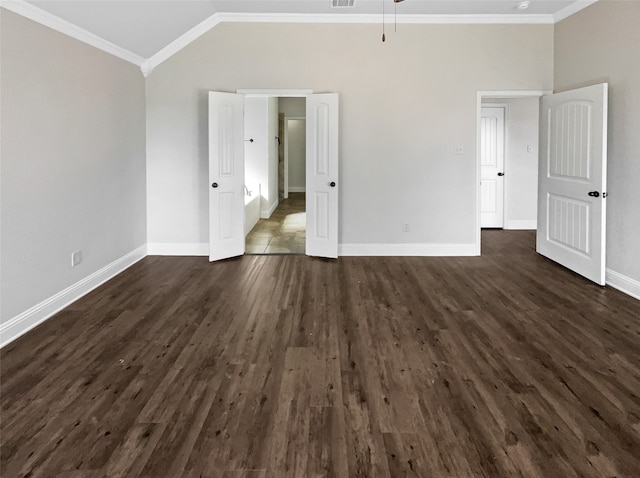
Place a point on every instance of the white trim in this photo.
(178, 249)
(523, 225)
(27, 320)
(456, 19)
(623, 283)
(406, 249)
(267, 214)
(47, 19)
(220, 17)
(572, 8)
(492, 94)
(286, 92)
(297, 189)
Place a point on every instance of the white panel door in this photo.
(226, 175)
(492, 167)
(572, 180)
(322, 175)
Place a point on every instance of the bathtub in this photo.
(251, 207)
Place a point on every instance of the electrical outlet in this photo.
(405, 227)
(76, 258)
(529, 148)
(458, 150)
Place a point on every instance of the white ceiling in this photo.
(145, 27)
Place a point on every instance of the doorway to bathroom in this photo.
(275, 175)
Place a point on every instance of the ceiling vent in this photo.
(342, 3)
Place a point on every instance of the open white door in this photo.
(492, 167)
(226, 175)
(572, 180)
(322, 175)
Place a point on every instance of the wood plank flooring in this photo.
(288, 366)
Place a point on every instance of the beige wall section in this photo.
(601, 44)
(297, 154)
(405, 105)
(73, 161)
(292, 106)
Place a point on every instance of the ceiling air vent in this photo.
(342, 3)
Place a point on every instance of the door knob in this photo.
(594, 194)
(332, 184)
(500, 174)
(214, 185)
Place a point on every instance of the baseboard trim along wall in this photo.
(267, 214)
(407, 249)
(297, 189)
(623, 283)
(178, 249)
(37, 314)
(522, 225)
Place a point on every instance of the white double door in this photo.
(226, 175)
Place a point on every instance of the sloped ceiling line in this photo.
(147, 65)
(56, 23)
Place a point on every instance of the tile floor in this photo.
(284, 232)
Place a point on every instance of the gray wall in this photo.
(73, 161)
(601, 44)
(405, 105)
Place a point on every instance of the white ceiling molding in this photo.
(147, 65)
(571, 9)
(56, 23)
(217, 18)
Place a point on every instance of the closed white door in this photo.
(492, 167)
(226, 175)
(572, 180)
(322, 175)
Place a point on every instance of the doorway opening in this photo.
(275, 174)
(507, 160)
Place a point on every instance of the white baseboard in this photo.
(178, 249)
(267, 214)
(623, 283)
(297, 189)
(407, 250)
(37, 314)
(522, 225)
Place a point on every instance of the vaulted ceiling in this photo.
(139, 30)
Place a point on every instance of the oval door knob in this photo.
(594, 194)
(500, 174)
(214, 185)
(332, 184)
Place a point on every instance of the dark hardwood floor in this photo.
(276, 366)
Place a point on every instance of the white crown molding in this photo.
(45, 18)
(571, 9)
(180, 42)
(407, 249)
(221, 17)
(27, 320)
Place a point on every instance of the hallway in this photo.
(284, 232)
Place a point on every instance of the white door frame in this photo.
(488, 94)
(505, 153)
(286, 151)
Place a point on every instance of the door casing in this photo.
(488, 94)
